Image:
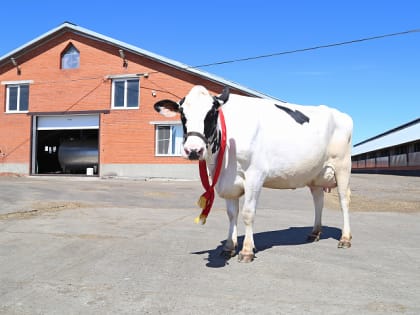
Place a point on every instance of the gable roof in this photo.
(67, 26)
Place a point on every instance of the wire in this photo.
(305, 49)
(67, 80)
(288, 52)
(260, 56)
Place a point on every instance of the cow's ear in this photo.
(167, 108)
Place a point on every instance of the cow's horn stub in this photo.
(224, 97)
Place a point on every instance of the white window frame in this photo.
(180, 138)
(18, 84)
(125, 80)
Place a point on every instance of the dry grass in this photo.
(382, 203)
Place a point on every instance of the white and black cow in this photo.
(269, 144)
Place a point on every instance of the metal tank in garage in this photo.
(78, 155)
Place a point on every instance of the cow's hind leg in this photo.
(318, 197)
(229, 249)
(344, 192)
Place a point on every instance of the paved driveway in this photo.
(95, 246)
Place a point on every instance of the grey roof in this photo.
(408, 132)
(127, 47)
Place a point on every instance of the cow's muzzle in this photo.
(194, 154)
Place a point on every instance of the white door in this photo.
(68, 122)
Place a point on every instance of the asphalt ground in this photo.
(72, 245)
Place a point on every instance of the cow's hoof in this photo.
(228, 254)
(313, 237)
(344, 243)
(246, 258)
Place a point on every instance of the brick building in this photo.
(78, 102)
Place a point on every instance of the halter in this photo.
(197, 134)
(211, 139)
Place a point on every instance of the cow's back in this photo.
(267, 139)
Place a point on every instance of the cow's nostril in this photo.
(194, 155)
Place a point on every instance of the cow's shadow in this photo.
(265, 240)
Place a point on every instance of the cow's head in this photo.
(199, 115)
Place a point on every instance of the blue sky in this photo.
(377, 82)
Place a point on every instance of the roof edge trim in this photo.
(410, 123)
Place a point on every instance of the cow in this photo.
(272, 144)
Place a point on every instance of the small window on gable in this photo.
(70, 58)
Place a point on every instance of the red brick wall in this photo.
(126, 136)
(15, 132)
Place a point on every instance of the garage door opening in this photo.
(66, 144)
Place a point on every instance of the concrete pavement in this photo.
(94, 246)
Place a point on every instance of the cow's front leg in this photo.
(229, 249)
(252, 192)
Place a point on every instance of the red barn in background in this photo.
(78, 102)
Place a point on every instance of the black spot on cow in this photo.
(210, 122)
(298, 116)
(183, 120)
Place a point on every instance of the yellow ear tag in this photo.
(202, 202)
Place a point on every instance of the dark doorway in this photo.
(67, 151)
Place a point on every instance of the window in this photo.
(17, 98)
(70, 58)
(125, 93)
(169, 140)
(401, 149)
(371, 155)
(383, 153)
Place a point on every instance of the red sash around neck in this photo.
(207, 198)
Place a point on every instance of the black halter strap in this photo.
(197, 134)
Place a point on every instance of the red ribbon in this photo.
(207, 198)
